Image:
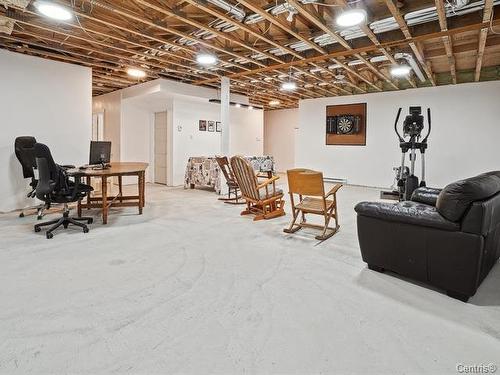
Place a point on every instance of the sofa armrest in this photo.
(406, 212)
(426, 195)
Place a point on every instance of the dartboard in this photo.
(344, 125)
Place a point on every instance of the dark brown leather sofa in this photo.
(447, 238)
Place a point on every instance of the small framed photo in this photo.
(203, 125)
(218, 127)
(211, 126)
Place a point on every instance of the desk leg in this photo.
(120, 188)
(104, 189)
(141, 178)
(88, 195)
(79, 208)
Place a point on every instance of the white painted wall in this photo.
(187, 139)
(280, 127)
(49, 100)
(464, 139)
(247, 131)
(136, 125)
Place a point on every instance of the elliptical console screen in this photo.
(414, 122)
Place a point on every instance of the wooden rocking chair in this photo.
(232, 184)
(308, 185)
(263, 199)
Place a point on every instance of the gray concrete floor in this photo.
(190, 287)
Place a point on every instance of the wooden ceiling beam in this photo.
(226, 36)
(483, 35)
(127, 13)
(198, 4)
(23, 20)
(447, 41)
(319, 23)
(370, 48)
(392, 6)
(289, 30)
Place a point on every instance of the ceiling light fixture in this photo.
(206, 59)
(274, 103)
(351, 17)
(54, 11)
(137, 73)
(400, 70)
(288, 86)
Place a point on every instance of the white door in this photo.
(160, 148)
(98, 126)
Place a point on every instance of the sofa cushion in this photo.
(455, 198)
(406, 212)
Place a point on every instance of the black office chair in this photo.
(25, 153)
(54, 186)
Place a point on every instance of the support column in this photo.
(224, 114)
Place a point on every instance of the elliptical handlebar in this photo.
(401, 139)
(430, 127)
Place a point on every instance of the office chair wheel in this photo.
(85, 230)
(49, 235)
(21, 214)
(65, 225)
(90, 221)
(37, 229)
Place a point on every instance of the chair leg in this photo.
(65, 221)
(40, 225)
(291, 228)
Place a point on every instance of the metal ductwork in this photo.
(411, 61)
(230, 8)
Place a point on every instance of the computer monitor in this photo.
(100, 153)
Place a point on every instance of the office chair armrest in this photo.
(333, 190)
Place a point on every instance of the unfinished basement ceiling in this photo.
(261, 44)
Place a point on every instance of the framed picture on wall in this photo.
(203, 125)
(211, 126)
(218, 127)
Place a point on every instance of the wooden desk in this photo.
(116, 170)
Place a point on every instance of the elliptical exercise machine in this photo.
(413, 125)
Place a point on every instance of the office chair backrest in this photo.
(48, 172)
(25, 153)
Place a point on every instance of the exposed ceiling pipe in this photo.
(411, 61)
(236, 12)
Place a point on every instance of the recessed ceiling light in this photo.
(274, 103)
(400, 70)
(289, 86)
(351, 17)
(137, 73)
(54, 11)
(206, 59)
